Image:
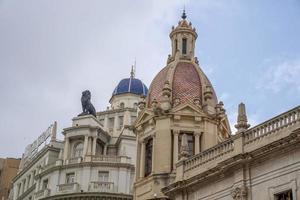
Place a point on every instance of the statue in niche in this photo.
(87, 106)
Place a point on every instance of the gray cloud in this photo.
(52, 50)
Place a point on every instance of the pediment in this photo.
(187, 109)
(143, 117)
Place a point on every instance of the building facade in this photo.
(185, 148)
(8, 170)
(96, 159)
(171, 142)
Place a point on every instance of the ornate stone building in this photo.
(96, 160)
(185, 148)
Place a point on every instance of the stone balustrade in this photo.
(110, 158)
(283, 121)
(101, 186)
(42, 194)
(68, 188)
(254, 138)
(209, 155)
(74, 160)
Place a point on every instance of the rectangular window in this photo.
(121, 122)
(184, 46)
(70, 178)
(111, 122)
(148, 157)
(45, 184)
(287, 195)
(103, 176)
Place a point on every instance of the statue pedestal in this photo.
(85, 120)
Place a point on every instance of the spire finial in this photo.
(183, 16)
(242, 122)
(132, 73)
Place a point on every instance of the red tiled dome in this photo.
(187, 82)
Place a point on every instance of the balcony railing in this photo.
(68, 188)
(74, 160)
(110, 158)
(210, 154)
(42, 193)
(101, 186)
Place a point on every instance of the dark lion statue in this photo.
(87, 106)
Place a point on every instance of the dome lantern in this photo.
(183, 39)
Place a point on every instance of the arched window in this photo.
(176, 44)
(121, 105)
(78, 149)
(184, 45)
(135, 105)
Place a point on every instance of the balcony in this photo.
(68, 188)
(74, 160)
(42, 194)
(111, 159)
(101, 186)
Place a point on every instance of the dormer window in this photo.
(184, 45)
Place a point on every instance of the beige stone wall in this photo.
(9, 168)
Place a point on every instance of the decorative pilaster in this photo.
(175, 147)
(66, 148)
(85, 145)
(197, 142)
(94, 146)
(89, 151)
(153, 155)
(105, 150)
(142, 157)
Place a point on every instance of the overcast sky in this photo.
(52, 50)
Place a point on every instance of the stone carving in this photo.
(239, 193)
(87, 106)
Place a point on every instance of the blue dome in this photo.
(131, 85)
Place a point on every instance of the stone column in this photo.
(153, 155)
(105, 149)
(32, 178)
(105, 122)
(116, 123)
(142, 157)
(66, 148)
(28, 182)
(197, 142)
(175, 147)
(138, 160)
(94, 146)
(85, 145)
(89, 151)
(21, 188)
